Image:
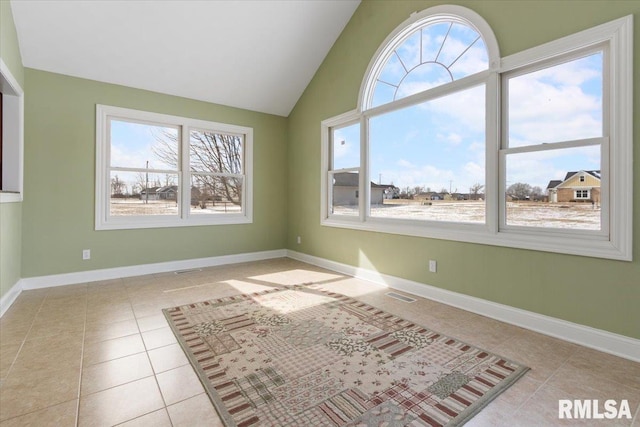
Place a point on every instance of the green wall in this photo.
(10, 213)
(10, 244)
(58, 207)
(599, 293)
(9, 48)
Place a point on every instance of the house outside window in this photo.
(471, 139)
(155, 170)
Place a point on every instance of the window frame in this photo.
(12, 190)
(615, 239)
(104, 221)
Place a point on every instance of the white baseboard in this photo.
(10, 297)
(600, 340)
(139, 270)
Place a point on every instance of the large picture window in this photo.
(451, 141)
(156, 170)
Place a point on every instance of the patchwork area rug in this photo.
(302, 356)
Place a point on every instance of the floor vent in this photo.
(193, 270)
(400, 297)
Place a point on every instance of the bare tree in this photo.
(476, 189)
(209, 153)
(118, 187)
(536, 192)
(519, 190)
(141, 182)
(406, 193)
(169, 179)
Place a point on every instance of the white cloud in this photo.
(464, 109)
(552, 105)
(474, 171)
(405, 164)
(454, 139)
(409, 51)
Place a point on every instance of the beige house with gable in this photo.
(580, 186)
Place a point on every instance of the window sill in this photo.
(131, 224)
(10, 197)
(556, 242)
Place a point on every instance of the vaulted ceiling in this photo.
(256, 55)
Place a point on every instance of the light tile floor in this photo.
(101, 354)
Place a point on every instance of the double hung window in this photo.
(156, 170)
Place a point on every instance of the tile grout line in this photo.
(84, 334)
(24, 340)
(155, 376)
(544, 383)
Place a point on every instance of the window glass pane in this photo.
(140, 145)
(422, 78)
(346, 147)
(432, 38)
(544, 188)
(559, 103)
(346, 194)
(215, 194)
(428, 160)
(215, 152)
(383, 94)
(409, 51)
(457, 44)
(434, 55)
(472, 61)
(143, 193)
(393, 71)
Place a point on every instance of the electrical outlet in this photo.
(433, 265)
(86, 254)
(299, 239)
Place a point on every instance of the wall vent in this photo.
(193, 270)
(400, 297)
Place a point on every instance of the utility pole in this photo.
(450, 182)
(146, 184)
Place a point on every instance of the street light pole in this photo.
(146, 184)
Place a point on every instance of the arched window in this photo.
(441, 45)
(451, 141)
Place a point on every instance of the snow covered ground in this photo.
(582, 216)
(127, 207)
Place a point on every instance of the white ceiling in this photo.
(256, 55)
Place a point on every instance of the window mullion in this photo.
(492, 146)
(150, 170)
(184, 173)
(555, 145)
(365, 189)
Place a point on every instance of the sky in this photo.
(440, 144)
(131, 144)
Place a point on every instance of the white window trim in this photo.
(12, 136)
(105, 222)
(618, 34)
